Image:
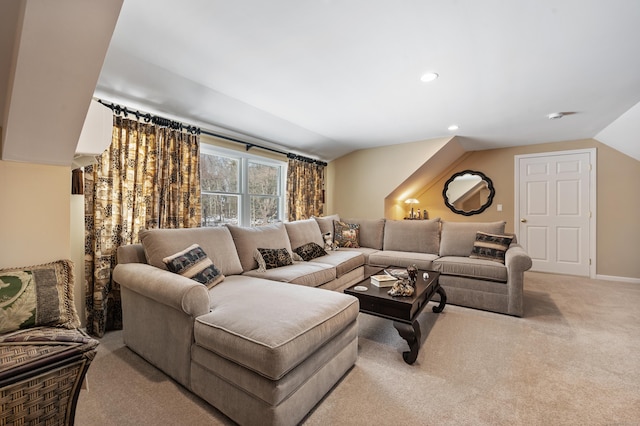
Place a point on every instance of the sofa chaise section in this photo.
(276, 343)
(261, 351)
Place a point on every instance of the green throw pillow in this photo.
(39, 295)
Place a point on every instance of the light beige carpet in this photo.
(574, 359)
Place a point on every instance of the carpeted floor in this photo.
(573, 359)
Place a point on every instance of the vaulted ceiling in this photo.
(327, 77)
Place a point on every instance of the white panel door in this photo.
(554, 211)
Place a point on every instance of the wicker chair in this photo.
(41, 372)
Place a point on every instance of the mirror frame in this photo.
(492, 192)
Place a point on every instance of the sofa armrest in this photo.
(167, 288)
(517, 259)
(517, 262)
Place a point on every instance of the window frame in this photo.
(244, 197)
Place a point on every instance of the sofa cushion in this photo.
(346, 234)
(301, 232)
(365, 251)
(457, 238)
(309, 251)
(326, 223)
(471, 268)
(271, 327)
(343, 260)
(421, 236)
(490, 246)
(215, 241)
(304, 273)
(193, 263)
(371, 232)
(40, 295)
(402, 258)
(247, 240)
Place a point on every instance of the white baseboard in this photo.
(614, 278)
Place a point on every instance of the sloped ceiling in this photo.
(324, 78)
(329, 77)
(52, 53)
(624, 133)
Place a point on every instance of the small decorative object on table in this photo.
(402, 287)
(412, 271)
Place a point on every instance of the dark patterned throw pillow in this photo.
(193, 263)
(346, 234)
(490, 246)
(272, 258)
(310, 251)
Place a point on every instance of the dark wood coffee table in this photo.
(402, 310)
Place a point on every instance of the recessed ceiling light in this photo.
(555, 115)
(453, 127)
(430, 76)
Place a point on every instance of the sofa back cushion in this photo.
(458, 237)
(420, 236)
(371, 232)
(326, 223)
(216, 242)
(302, 232)
(249, 239)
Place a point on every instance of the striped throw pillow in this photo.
(193, 263)
(490, 246)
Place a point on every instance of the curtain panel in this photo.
(305, 188)
(148, 178)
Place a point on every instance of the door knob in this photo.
(523, 220)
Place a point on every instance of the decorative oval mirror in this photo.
(468, 192)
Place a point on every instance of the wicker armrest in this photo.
(41, 372)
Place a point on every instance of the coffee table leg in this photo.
(410, 333)
(443, 300)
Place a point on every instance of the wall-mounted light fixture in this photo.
(411, 202)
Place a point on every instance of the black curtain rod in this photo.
(161, 121)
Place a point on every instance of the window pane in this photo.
(218, 210)
(219, 174)
(264, 210)
(263, 179)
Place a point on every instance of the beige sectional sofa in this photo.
(264, 351)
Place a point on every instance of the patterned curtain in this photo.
(148, 178)
(305, 183)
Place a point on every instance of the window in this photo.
(240, 188)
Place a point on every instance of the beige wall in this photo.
(357, 183)
(34, 218)
(618, 201)
(40, 222)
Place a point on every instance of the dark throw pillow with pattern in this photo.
(193, 263)
(310, 251)
(346, 234)
(490, 246)
(272, 258)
